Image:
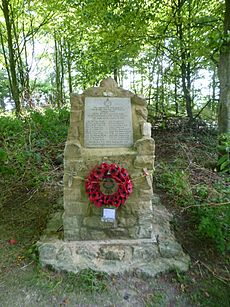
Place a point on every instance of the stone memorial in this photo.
(112, 220)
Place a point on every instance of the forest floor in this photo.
(23, 217)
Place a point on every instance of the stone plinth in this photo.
(109, 124)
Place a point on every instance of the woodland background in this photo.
(174, 52)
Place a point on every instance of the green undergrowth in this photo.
(195, 187)
(207, 201)
(31, 148)
(224, 153)
(203, 292)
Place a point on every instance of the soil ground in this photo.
(23, 283)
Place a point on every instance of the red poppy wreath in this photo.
(108, 185)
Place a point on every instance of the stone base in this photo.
(149, 256)
(145, 256)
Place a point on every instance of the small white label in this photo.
(147, 129)
(109, 215)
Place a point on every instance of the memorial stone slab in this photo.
(108, 122)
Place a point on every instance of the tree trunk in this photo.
(224, 76)
(62, 92)
(115, 74)
(57, 72)
(185, 61)
(213, 104)
(12, 62)
(175, 96)
(69, 62)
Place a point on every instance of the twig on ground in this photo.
(198, 264)
(220, 278)
(205, 205)
(26, 265)
(27, 200)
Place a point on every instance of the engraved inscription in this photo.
(108, 122)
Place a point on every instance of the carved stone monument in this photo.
(109, 125)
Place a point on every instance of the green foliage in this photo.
(208, 205)
(31, 147)
(156, 299)
(175, 181)
(224, 153)
(211, 293)
(213, 214)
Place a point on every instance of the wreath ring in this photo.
(108, 185)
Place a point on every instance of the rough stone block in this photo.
(118, 233)
(47, 251)
(126, 222)
(145, 231)
(73, 208)
(93, 210)
(76, 102)
(144, 162)
(144, 183)
(142, 112)
(170, 249)
(156, 200)
(124, 211)
(98, 235)
(146, 195)
(72, 234)
(85, 234)
(145, 146)
(145, 253)
(95, 222)
(87, 253)
(133, 232)
(112, 252)
(142, 208)
(76, 116)
(70, 194)
(139, 100)
(72, 150)
(73, 133)
(71, 221)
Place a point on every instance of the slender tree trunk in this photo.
(213, 104)
(12, 60)
(162, 91)
(6, 60)
(62, 92)
(57, 72)
(115, 74)
(69, 62)
(157, 90)
(224, 76)
(185, 63)
(175, 97)
(26, 88)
